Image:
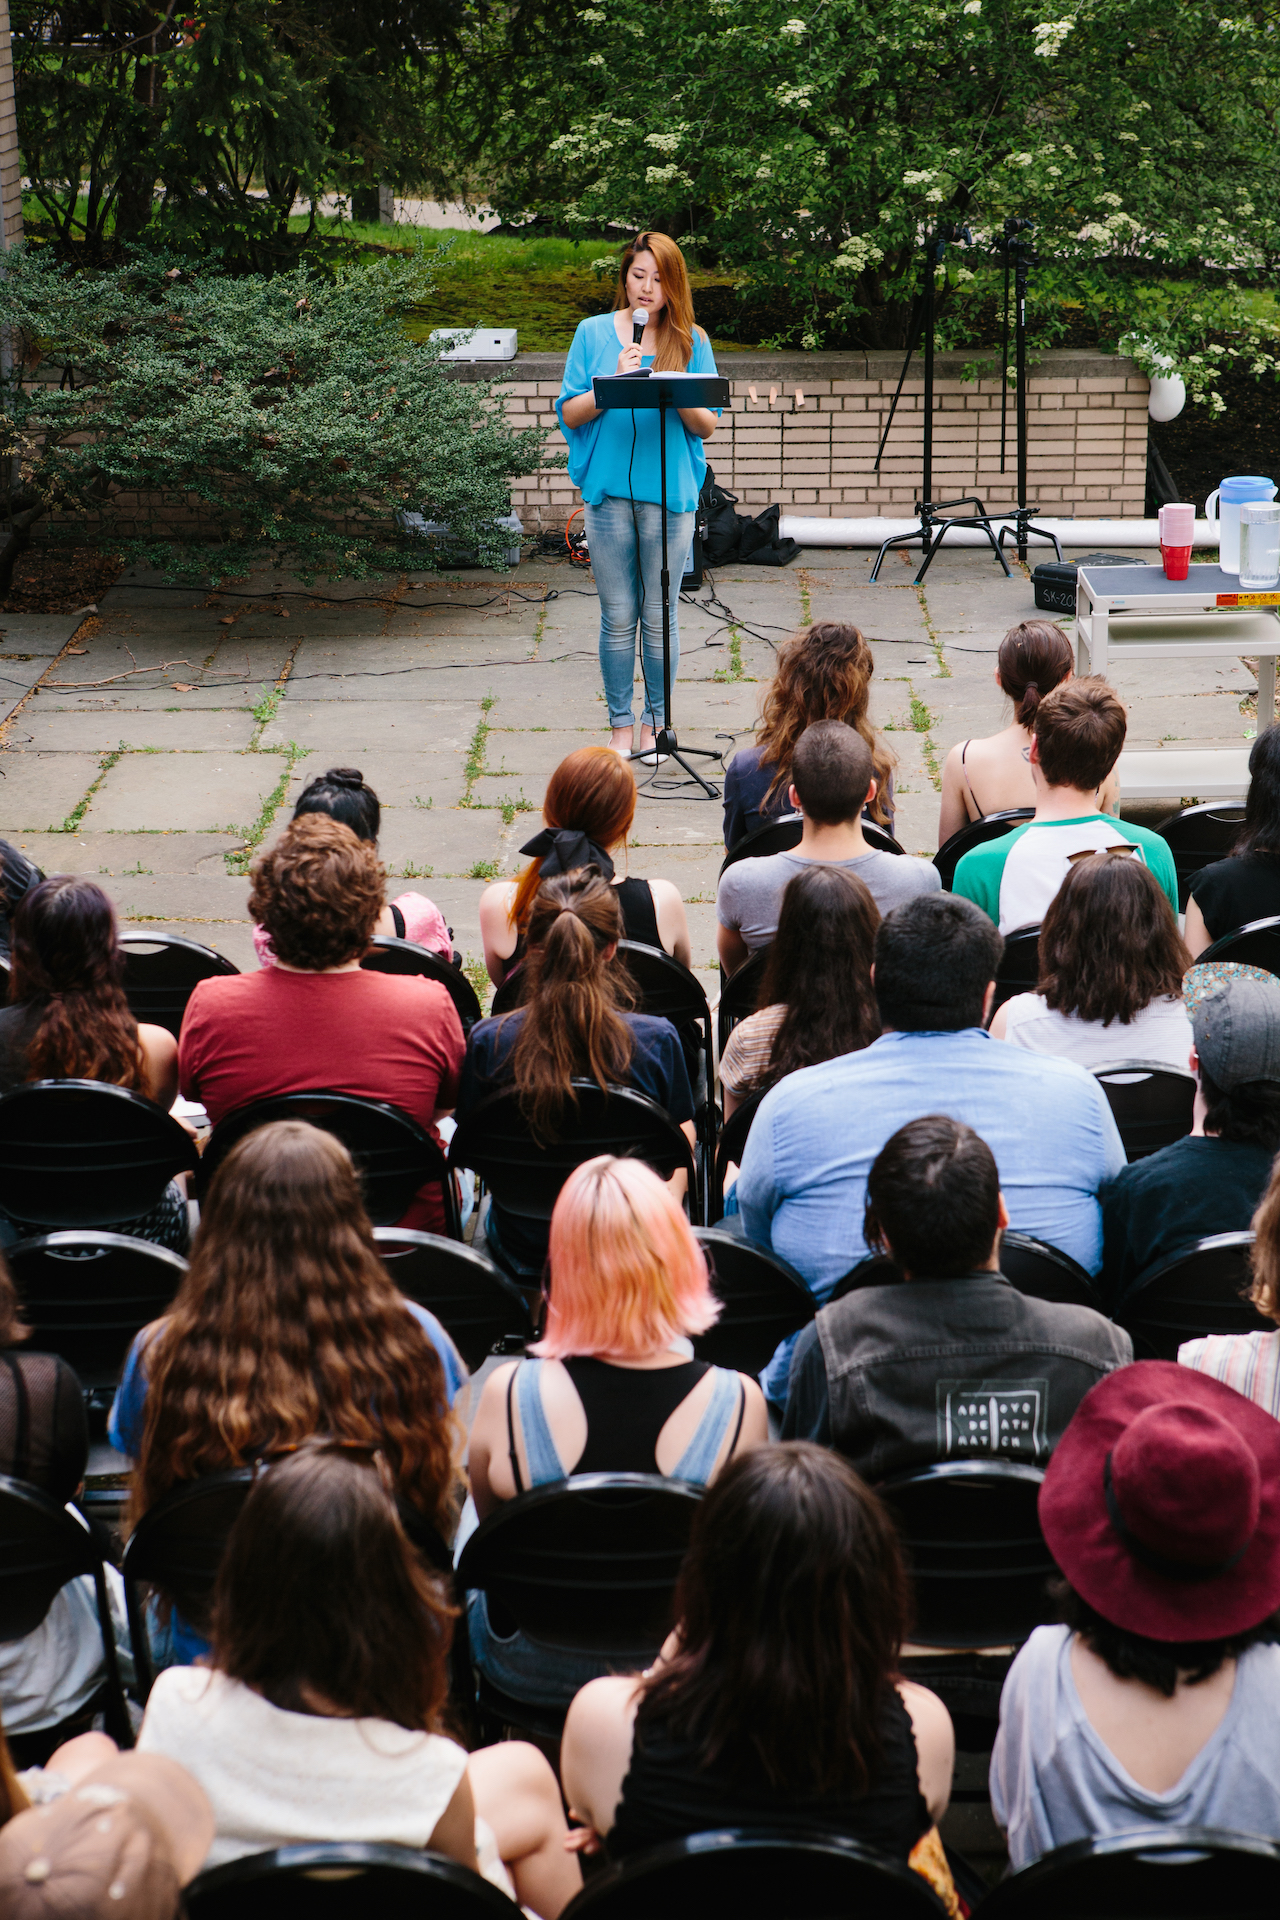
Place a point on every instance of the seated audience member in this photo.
(612, 1386)
(777, 1700)
(816, 999)
(830, 779)
(1078, 730)
(1246, 885)
(980, 777)
(575, 1023)
(17, 877)
(1250, 1362)
(1156, 1702)
(316, 1018)
(68, 1019)
(823, 673)
(1111, 967)
(343, 795)
(118, 1833)
(287, 1325)
(1211, 1181)
(802, 1188)
(588, 808)
(322, 1717)
(889, 1374)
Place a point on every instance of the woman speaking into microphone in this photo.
(613, 460)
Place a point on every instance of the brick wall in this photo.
(808, 437)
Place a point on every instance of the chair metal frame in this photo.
(219, 1893)
(421, 961)
(486, 1274)
(214, 966)
(976, 833)
(1265, 931)
(673, 992)
(50, 1159)
(48, 1337)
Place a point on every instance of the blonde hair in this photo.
(675, 324)
(1264, 1255)
(627, 1275)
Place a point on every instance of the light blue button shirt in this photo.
(803, 1184)
(603, 461)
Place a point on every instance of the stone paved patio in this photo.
(156, 742)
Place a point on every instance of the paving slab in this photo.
(196, 791)
(117, 853)
(36, 636)
(47, 727)
(39, 790)
(448, 840)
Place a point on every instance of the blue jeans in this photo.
(631, 594)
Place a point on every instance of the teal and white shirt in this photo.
(1015, 878)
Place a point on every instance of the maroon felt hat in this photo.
(1161, 1504)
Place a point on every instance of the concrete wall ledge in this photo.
(794, 366)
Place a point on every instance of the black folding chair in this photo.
(783, 834)
(177, 1548)
(525, 1176)
(731, 1145)
(479, 1308)
(79, 1153)
(589, 1564)
(669, 991)
(992, 826)
(765, 1301)
(1151, 1873)
(1196, 837)
(345, 1880)
(1151, 1103)
(162, 971)
(42, 1547)
(1043, 1272)
(1199, 1290)
(757, 1874)
(388, 955)
(85, 1296)
(510, 994)
(1255, 945)
(393, 1154)
(1019, 968)
(740, 994)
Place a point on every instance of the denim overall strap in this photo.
(699, 1457)
(540, 1449)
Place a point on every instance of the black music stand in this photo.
(660, 390)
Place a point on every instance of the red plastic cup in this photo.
(1177, 560)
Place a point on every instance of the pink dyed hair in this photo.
(627, 1275)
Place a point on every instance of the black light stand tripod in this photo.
(934, 520)
(1019, 253)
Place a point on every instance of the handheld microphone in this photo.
(639, 321)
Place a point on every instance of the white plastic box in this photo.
(415, 523)
(477, 343)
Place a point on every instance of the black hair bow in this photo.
(565, 850)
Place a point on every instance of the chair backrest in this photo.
(764, 1301)
(388, 955)
(510, 994)
(771, 836)
(476, 1304)
(177, 1546)
(1199, 1290)
(740, 994)
(1197, 836)
(754, 1872)
(1043, 1272)
(1019, 967)
(1152, 1873)
(393, 1154)
(1152, 1104)
(345, 1880)
(525, 1176)
(977, 1557)
(41, 1547)
(590, 1562)
(85, 1296)
(1256, 944)
(162, 971)
(732, 1143)
(78, 1153)
(669, 991)
(993, 826)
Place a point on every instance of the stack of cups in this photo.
(1260, 544)
(1177, 532)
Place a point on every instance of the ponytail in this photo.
(1027, 705)
(1034, 658)
(571, 1024)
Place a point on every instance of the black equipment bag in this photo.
(737, 536)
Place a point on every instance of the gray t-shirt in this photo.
(1054, 1780)
(749, 897)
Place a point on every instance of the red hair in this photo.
(675, 323)
(627, 1275)
(592, 791)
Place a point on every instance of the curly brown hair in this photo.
(68, 972)
(287, 1325)
(318, 892)
(1110, 945)
(823, 673)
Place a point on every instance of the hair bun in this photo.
(344, 777)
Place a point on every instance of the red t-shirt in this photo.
(392, 1037)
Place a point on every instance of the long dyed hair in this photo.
(823, 673)
(571, 1023)
(627, 1275)
(68, 969)
(675, 323)
(819, 969)
(592, 791)
(287, 1325)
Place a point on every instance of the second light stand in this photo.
(1019, 253)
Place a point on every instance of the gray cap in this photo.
(1237, 1031)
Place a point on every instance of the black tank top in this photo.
(639, 920)
(668, 1794)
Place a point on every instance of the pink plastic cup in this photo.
(1177, 524)
(1177, 561)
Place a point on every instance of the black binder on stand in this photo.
(665, 391)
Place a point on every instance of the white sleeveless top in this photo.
(1161, 1034)
(1054, 1780)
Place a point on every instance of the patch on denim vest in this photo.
(993, 1416)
